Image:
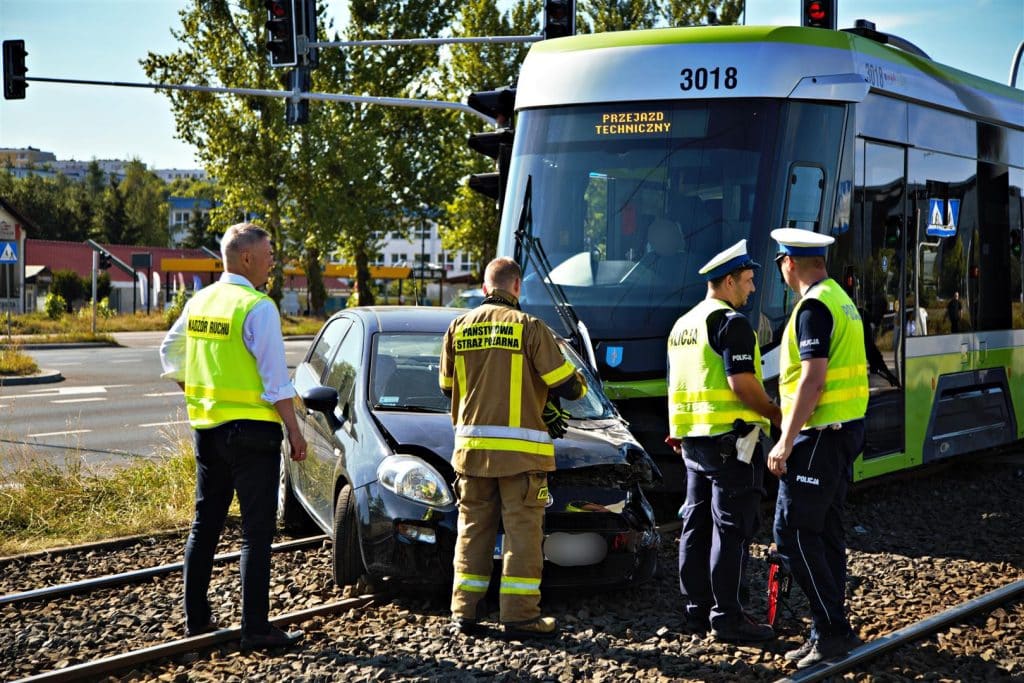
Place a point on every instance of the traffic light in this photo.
(820, 14)
(499, 104)
(281, 32)
(1015, 240)
(559, 18)
(14, 70)
(104, 261)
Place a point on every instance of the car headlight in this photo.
(412, 478)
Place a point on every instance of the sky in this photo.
(105, 39)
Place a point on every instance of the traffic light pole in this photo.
(293, 95)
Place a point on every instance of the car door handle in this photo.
(337, 452)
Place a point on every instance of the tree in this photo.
(695, 12)
(69, 286)
(242, 141)
(111, 221)
(145, 205)
(471, 220)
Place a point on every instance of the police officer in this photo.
(717, 408)
(823, 384)
(499, 365)
(227, 353)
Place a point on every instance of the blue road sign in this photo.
(8, 252)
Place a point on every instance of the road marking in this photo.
(165, 424)
(130, 360)
(166, 393)
(71, 431)
(80, 400)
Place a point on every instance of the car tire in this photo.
(348, 560)
(291, 516)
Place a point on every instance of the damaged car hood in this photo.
(588, 443)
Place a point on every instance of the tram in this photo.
(639, 155)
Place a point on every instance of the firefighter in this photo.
(823, 384)
(505, 373)
(717, 410)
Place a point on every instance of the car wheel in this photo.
(348, 561)
(291, 516)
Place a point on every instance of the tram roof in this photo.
(770, 61)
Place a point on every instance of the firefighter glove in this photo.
(556, 419)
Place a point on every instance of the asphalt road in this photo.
(111, 407)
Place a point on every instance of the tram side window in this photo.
(943, 287)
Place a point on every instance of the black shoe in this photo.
(829, 647)
(541, 627)
(467, 627)
(801, 652)
(275, 637)
(208, 627)
(696, 624)
(742, 630)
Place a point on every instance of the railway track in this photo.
(874, 650)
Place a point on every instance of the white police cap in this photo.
(797, 242)
(725, 262)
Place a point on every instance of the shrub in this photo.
(55, 306)
(69, 286)
(173, 312)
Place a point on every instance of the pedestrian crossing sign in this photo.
(8, 252)
(942, 222)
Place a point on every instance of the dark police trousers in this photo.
(809, 519)
(242, 456)
(720, 518)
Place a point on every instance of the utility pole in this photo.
(423, 258)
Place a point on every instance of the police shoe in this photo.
(800, 652)
(696, 624)
(541, 627)
(742, 630)
(275, 637)
(829, 647)
(208, 627)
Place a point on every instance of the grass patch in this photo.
(13, 361)
(78, 326)
(45, 505)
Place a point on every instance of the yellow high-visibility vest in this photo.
(222, 381)
(700, 400)
(845, 396)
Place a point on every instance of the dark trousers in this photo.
(809, 520)
(720, 518)
(242, 456)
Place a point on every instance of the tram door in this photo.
(880, 214)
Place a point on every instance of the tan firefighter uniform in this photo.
(499, 363)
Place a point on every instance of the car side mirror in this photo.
(321, 399)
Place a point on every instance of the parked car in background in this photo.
(378, 475)
(470, 298)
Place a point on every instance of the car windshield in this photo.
(404, 375)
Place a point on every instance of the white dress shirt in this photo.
(261, 334)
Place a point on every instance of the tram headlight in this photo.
(414, 479)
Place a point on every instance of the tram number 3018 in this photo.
(703, 79)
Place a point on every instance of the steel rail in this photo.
(909, 634)
(127, 660)
(137, 575)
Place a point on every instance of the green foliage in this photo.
(173, 312)
(103, 310)
(69, 286)
(55, 306)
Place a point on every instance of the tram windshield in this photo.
(629, 200)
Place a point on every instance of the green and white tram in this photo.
(642, 154)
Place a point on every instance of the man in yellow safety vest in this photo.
(823, 385)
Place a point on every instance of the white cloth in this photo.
(261, 334)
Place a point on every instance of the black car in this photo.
(378, 475)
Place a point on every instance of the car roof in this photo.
(405, 318)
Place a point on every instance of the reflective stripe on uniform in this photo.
(499, 432)
(460, 374)
(471, 583)
(472, 443)
(515, 391)
(518, 585)
(558, 375)
(447, 382)
(221, 394)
